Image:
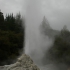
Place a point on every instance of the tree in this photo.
(10, 22)
(1, 17)
(60, 51)
(12, 36)
(19, 21)
(64, 27)
(44, 27)
(1, 20)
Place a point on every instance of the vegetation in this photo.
(46, 29)
(60, 51)
(11, 36)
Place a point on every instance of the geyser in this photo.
(35, 44)
(33, 20)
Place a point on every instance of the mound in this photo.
(23, 63)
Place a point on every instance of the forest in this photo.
(12, 32)
(59, 52)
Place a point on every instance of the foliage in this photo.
(11, 36)
(60, 51)
(46, 29)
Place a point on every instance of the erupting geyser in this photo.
(33, 20)
(35, 44)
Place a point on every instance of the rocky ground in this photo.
(23, 63)
(26, 63)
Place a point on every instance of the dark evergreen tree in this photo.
(10, 22)
(60, 51)
(1, 20)
(11, 37)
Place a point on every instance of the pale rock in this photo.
(23, 63)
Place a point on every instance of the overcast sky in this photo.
(56, 11)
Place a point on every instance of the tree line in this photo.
(60, 50)
(12, 33)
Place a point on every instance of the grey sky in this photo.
(56, 11)
(9, 6)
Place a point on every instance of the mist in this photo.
(36, 43)
(33, 20)
(57, 13)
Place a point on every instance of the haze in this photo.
(56, 11)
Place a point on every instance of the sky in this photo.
(57, 12)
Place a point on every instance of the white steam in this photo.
(33, 20)
(35, 43)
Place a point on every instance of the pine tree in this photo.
(1, 20)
